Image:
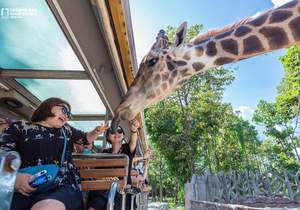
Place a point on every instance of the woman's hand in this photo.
(148, 154)
(101, 129)
(135, 124)
(22, 183)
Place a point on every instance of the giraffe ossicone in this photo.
(164, 69)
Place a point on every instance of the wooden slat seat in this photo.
(99, 171)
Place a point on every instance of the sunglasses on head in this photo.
(66, 111)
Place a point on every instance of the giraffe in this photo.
(165, 68)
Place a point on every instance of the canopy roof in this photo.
(80, 51)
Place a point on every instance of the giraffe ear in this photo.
(180, 34)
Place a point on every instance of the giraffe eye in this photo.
(152, 62)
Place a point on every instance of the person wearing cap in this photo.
(97, 200)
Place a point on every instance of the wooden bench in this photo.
(99, 171)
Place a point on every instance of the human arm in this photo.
(146, 156)
(134, 135)
(93, 135)
(10, 141)
(83, 138)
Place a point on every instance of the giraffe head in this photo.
(157, 76)
(167, 65)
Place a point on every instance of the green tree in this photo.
(193, 129)
(280, 118)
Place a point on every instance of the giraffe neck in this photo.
(274, 29)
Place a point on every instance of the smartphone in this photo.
(39, 178)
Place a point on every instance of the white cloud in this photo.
(244, 112)
(279, 2)
(68, 59)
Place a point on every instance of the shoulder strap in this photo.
(62, 159)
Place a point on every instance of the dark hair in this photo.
(44, 109)
(109, 131)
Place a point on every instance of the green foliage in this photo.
(193, 130)
(280, 117)
(191, 33)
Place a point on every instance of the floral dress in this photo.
(39, 145)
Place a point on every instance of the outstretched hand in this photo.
(101, 128)
(135, 124)
(148, 154)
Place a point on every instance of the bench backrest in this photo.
(99, 171)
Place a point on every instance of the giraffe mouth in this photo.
(122, 113)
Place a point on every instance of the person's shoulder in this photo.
(19, 124)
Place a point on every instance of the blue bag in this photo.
(52, 170)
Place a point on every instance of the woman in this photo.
(97, 200)
(41, 142)
(141, 166)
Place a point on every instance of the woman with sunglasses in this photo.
(97, 200)
(41, 142)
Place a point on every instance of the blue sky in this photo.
(256, 78)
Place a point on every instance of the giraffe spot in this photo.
(180, 63)
(252, 45)
(187, 56)
(289, 5)
(184, 72)
(295, 28)
(198, 66)
(156, 79)
(242, 31)
(199, 41)
(165, 76)
(170, 65)
(223, 60)
(223, 35)
(199, 50)
(158, 92)
(299, 9)
(280, 16)
(174, 73)
(211, 49)
(276, 36)
(171, 81)
(151, 95)
(164, 86)
(259, 21)
(149, 85)
(230, 45)
(142, 90)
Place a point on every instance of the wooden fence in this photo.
(244, 187)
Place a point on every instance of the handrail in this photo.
(111, 196)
